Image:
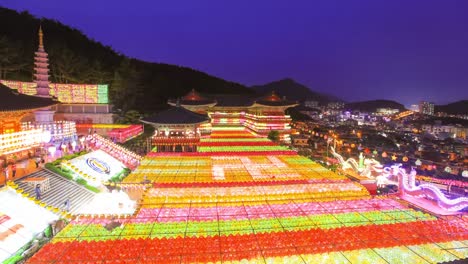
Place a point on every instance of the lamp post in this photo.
(52, 150)
(63, 146)
(82, 139)
(328, 144)
(46, 137)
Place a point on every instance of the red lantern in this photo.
(384, 154)
(405, 159)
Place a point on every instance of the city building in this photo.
(454, 131)
(311, 104)
(414, 108)
(386, 111)
(426, 108)
(333, 108)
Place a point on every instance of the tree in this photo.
(304, 152)
(10, 57)
(66, 66)
(126, 87)
(131, 117)
(97, 73)
(273, 135)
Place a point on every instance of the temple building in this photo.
(260, 115)
(178, 129)
(81, 103)
(16, 141)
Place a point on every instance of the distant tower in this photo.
(41, 69)
(426, 108)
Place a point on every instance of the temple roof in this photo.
(232, 100)
(176, 115)
(194, 98)
(272, 99)
(11, 100)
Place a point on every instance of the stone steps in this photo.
(60, 190)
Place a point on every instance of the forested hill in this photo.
(455, 108)
(373, 105)
(293, 91)
(74, 58)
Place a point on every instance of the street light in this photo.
(82, 139)
(52, 150)
(63, 146)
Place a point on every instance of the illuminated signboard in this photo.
(66, 93)
(97, 164)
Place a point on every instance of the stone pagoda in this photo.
(41, 77)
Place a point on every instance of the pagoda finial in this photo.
(41, 41)
(178, 102)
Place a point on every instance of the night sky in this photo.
(405, 50)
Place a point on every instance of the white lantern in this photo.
(52, 150)
(418, 162)
(465, 173)
(46, 136)
(448, 169)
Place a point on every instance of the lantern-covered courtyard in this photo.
(241, 198)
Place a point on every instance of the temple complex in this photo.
(215, 188)
(259, 115)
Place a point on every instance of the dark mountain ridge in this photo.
(372, 105)
(455, 108)
(293, 91)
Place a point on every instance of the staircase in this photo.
(127, 157)
(60, 190)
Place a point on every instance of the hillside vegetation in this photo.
(74, 58)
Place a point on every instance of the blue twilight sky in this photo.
(405, 50)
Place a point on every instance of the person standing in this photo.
(37, 190)
(6, 174)
(67, 204)
(13, 170)
(37, 160)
